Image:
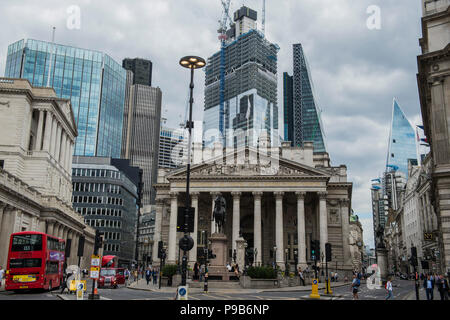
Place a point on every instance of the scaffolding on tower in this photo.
(223, 37)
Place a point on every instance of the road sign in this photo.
(315, 289)
(95, 273)
(81, 287)
(95, 261)
(182, 293)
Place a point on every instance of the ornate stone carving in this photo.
(300, 195)
(279, 194)
(257, 194)
(333, 216)
(236, 194)
(322, 195)
(4, 103)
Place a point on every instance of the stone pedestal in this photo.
(382, 263)
(217, 269)
(240, 253)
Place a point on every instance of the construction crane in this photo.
(223, 37)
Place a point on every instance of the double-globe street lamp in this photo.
(190, 62)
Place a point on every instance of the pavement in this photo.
(423, 295)
(142, 285)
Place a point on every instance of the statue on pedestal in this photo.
(220, 213)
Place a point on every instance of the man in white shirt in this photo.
(389, 289)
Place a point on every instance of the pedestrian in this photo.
(148, 274)
(200, 271)
(428, 284)
(236, 270)
(2, 273)
(300, 275)
(64, 282)
(388, 288)
(443, 287)
(335, 276)
(196, 270)
(155, 276)
(355, 285)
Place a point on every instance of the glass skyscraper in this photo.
(402, 141)
(92, 80)
(307, 123)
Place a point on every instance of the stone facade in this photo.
(356, 243)
(36, 143)
(295, 195)
(434, 91)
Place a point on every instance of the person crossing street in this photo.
(389, 289)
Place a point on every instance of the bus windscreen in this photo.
(27, 242)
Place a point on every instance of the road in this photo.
(401, 289)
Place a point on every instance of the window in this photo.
(28, 242)
(25, 263)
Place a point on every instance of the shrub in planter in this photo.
(169, 270)
(262, 272)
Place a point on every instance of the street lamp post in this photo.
(190, 62)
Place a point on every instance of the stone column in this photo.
(3, 207)
(50, 226)
(279, 229)
(69, 155)
(62, 160)
(323, 222)
(345, 230)
(74, 249)
(301, 230)
(39, 131)
(157, 235)
(58, 143)
(193, 251)
(236, 218)
(65, 232)
(53, 137)
(5, 233)
(257, 227)
(173, 228)
(48, 131)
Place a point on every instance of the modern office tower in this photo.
(141, 134)
(172, 146)
(141, 68)
(250, 96)
(288, 107)
(93, 81)
(307, 123)
(402, 142)
(105, 193)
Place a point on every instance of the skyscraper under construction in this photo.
(249, 102)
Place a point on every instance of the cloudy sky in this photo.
(357, 70)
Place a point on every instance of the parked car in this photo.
(111, 277)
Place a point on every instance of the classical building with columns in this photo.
(278, 200)
(37, 135)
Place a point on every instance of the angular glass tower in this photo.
(288, 107)
(92, 80)
(307, 124)
(402, 141)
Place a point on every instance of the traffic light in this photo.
(98, 241)
(414, 256)
(180, 219)
(328, 252)
(160, 249)
(315, 249)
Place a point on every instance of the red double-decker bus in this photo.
(35, 261)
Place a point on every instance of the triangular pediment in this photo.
(249, 162)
